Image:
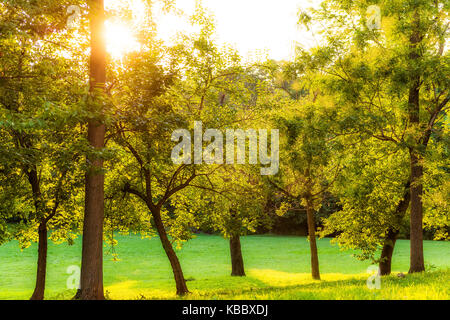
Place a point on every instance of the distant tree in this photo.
(310, 161)
(310, 144)
(232, 202)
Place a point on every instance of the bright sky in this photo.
(251, 26)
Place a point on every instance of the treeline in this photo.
(357, 134)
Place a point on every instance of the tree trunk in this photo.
(91, 281)
(237, 262)
(312, 242)
(170, 252)
(416, 229)
(416, 159)
(391, 237)
(386, 253)
(39, 289)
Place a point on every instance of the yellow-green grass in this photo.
(277, 267)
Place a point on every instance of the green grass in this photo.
(277, 267)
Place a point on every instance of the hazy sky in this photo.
(250, 25)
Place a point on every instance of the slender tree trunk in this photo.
(170, 252)
(416, 229)
(386, 253)
(237, 262)
(416, 159)
(391, 237)
(91, 281)
(312, 242)
(39, 289)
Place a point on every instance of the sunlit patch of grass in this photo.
(283, 279)
(122, 290)
(130, 290)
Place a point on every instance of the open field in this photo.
(277, 267)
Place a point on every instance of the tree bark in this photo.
(416, 228)
(39, 289)
(312, 242)
(388, 250)
(91, 281)
(180, 282)
(391, 237)
(237, 262)
(416, 158)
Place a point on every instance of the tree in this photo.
(437, 184)
(145, 122)
(232, 202)
(171, 94)
(392, 78)
(12, 215)
(311, 129)
(91, 282)
(39, 112)
(311, 164)
(373, 193)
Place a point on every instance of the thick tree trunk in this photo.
(170, 252)
(39, 289)
(237, 262)
(91, 281)
(391, 237)
(312, 242)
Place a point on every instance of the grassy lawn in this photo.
(277, 267)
